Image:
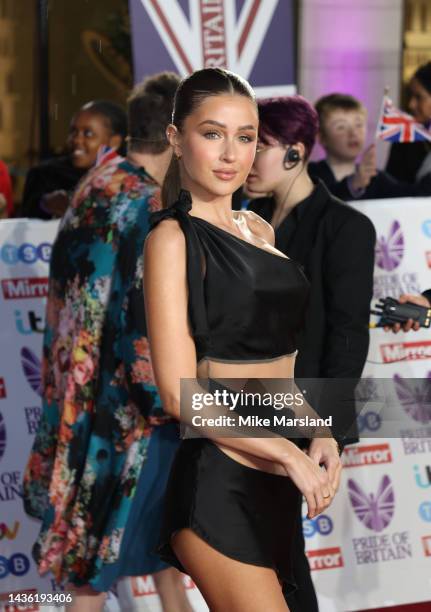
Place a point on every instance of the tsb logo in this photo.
(425, 511)
(369, 421)
(426, 228)
(325, 558)
(17, 565)
(322, 524)
(26, 253)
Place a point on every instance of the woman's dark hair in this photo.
(114, 116)
(423, 75)
(191, 92)
(149, 109)
(288, 120)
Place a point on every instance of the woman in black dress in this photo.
(223, 303)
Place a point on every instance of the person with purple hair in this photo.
(335, 245)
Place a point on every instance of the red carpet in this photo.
(416, 607)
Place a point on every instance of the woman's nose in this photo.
(77, 138)
(229, 151)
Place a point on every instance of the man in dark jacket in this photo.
(335, 245)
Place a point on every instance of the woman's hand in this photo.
(311, 480)
(366, 170)
(324, 451)
(55, 203)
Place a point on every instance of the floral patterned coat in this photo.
(99, 397)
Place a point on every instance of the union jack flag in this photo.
(106, 154)
(396, 126)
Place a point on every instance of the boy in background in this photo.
(349, 169)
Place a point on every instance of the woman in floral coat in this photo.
(100, 460)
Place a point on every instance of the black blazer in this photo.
(335, 245)
(405, 159)
(383, 185)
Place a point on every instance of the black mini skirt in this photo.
(242, 512)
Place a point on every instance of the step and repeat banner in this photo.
(371, 549)
(254, 38)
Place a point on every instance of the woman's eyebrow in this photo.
(223, 125)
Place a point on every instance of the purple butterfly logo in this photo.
(389, 251)
(374, 511)
(32, 369)
(415, 397)
(2, 436)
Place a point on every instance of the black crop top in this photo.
(249, 302)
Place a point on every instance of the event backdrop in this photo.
(255, 38)
(371, 548)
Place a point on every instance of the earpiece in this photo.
(291, 159)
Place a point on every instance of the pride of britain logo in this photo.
(390, 248)
(415, 397)
(374, 510)
(32, 369)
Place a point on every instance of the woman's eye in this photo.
(245, 138)
(211, 135)
(89, 133)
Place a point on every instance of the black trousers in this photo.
(304, 599)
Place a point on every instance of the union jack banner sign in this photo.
(396, 126)
(254, 38)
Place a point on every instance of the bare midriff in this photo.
(281, 368)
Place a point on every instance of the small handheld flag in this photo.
(396, 126)
(105, 154)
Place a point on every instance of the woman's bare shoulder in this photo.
(168, 237)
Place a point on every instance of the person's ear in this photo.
(299, 146)
(115, 141)
(173, 136)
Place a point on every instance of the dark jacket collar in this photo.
(296, 234)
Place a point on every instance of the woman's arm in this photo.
(174, 357)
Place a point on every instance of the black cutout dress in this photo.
(245, 308)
